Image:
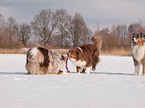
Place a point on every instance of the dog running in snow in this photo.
(138, 52)
(41, 61)
(86, 55)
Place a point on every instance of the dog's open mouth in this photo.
(136, 43)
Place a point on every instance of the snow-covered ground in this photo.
(112, 86)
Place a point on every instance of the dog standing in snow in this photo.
(86, 55)
(41, 61)
(138, 52)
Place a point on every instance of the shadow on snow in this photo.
(13, 73)
(112, 73)
(105, 73)
(109, 73)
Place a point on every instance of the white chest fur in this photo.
(138, 52)
(78, 63)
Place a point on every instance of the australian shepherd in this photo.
(86, 55)
(138, 52)
(41, 61)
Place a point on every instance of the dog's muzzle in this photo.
(135, 43)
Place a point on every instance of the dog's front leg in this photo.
(143, 70)
(143, 64)
(78, 69)
(136, 68)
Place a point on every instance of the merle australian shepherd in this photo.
(41, 61)
(138, 52)
(86, 55)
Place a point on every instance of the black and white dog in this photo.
(41, 61)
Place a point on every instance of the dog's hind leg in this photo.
(88, 70)
(95, 62)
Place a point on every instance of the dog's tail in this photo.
(97, 42)
(35, 55)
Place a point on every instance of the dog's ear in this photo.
(63, 57)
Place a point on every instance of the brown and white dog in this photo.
(138, 52)
(86, 55)
(41, 61)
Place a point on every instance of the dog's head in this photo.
(74, 53)
(138, 39)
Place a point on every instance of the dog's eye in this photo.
(141, 34)
(137, 35)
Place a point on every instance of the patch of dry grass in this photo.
(12, 51)
(25, 50)
(61, 51)
(118, 52)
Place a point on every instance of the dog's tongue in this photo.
(134, 43)
(68, 56)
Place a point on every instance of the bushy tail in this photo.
(97, 42)
(34, 55)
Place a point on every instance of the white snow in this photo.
(112, 86)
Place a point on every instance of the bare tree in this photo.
(24, 32)
(43, 25)
(105, 38)
(2, 30)
(63, 22)
(1, 20)
(11, 29)
(98, 31)
(136, 27)
(121, 32)
(77, 30)
(87, 35)
(113, 40)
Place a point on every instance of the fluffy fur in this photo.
(41, 61)
(86, 55)
(138, 53)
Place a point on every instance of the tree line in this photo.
(60, 29)
(57, 29)
(120, 36)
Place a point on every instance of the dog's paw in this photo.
(135, 74)
(60, 72)
(93, 69)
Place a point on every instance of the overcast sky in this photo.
(102, 12)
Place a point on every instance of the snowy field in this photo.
(112, 86)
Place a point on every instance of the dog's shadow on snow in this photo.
(13, 73)
(111, 73)
(105, 73)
